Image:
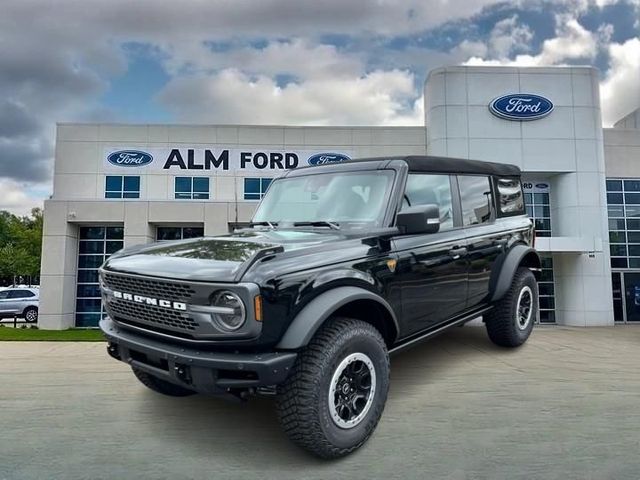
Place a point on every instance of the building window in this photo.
(255, 188)
(192, 188)
(122, 186)
(164, 234)
(95, 245)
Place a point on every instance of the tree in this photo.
(20, 245)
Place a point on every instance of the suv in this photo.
(342, 265)
(20, 302)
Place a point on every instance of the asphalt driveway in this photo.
(564, 406)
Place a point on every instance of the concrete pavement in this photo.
(564, 406)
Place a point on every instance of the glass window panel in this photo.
(542, 211)
(547, 316)
(90, 261)
(632, 198)
(547, 303)
(618, 250)
(113, 183)
(616, 224)
(131, 184)
(632, 185)
(632, 296)
(542, 233)
(201, 184)
(251, 185)
(425, 189)
(616, 285)
(168, 233)
(115, 233)
(528, 198)
(529, 210)
(634, 263)
(192, 232)
(619, 237)
(616, 211)
(89, 291)
(91, 233)
(475, 196)
(200, 196)
(633, 237)
(633, 211)
(634, 250)
(546, 262)
(113, 195)
(183, 196)
(618, 311)
(131, 195)
(113, 246)
(632, 224)
(618, 263)
(614, 198)
(265, 184)
(252, 196)
(96, 246)
(546, 276)
(88, 305)
(87, 276)
(541, 198)
(87, 319)
(183, 184)
(614, 185)
(546, 289)
(542, 224)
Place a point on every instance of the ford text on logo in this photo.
(130, 158)
(324, 158)
(542, 185)
(521, 106)
(156, 302)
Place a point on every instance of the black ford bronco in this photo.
(342, 265)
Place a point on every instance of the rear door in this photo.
(432, 268)
(20, 299)
(8, 302)
(486, 238)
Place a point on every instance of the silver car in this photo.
(20, 301)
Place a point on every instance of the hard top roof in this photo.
(426, 163)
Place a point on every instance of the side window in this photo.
(475, 197)
(20, 294)
(425, 189)
(510, 198)
(4, 294)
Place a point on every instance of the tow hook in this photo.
(183, 373)
(112, 350)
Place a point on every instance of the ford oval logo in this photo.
(542, 185)
(521, 106)
(130, 158)
(324, 158)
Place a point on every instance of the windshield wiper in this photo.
(271, 225)
(319, 223)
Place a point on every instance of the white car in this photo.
(20, 301)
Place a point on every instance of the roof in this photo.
(426, 163)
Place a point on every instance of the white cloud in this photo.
(620, 90)
(231, 96)
(508, 36)
(14, 197)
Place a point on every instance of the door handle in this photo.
(457, 252)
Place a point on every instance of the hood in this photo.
(216, 259)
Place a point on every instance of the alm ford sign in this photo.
(521, 106)
(130, 158)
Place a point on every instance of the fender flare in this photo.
(313, 315)
(507, 269)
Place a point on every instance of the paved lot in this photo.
(565, 406)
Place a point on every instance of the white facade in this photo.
(566, 150)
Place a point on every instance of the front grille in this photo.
(177, 292)
(151, 315)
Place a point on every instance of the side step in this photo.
(412, 341)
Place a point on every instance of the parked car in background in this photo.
(20, 301)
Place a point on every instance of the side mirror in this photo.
(419, 219)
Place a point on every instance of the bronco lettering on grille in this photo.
(150, 301)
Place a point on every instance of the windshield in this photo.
(339, 198)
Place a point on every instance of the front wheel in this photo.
(335, 395)
(510, 323)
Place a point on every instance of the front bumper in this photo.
(200, 370)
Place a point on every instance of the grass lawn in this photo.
(32, 335)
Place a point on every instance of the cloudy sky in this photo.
(330, 62)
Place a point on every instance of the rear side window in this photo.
(475, 199)
(21, 294)
(426, 189)
(510, 197)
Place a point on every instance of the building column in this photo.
(58, 268)
(137, 228)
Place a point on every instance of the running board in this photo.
(439, 329)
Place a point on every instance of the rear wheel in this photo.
(335, 395)
(510, 323)
(161, 386)
(30, 314)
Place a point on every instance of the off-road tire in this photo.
(503, 321)
(161, 386)
(303, 400)
(28, 314)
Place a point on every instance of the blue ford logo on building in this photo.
(521, 106)
(324, 158)
(130, 158)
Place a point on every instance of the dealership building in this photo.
(119, 185)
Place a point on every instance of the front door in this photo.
(432, 268)
(7, 304)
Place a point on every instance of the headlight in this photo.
(228, 310)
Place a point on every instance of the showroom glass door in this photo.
(631, 286)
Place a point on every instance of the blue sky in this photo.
(361, 62)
